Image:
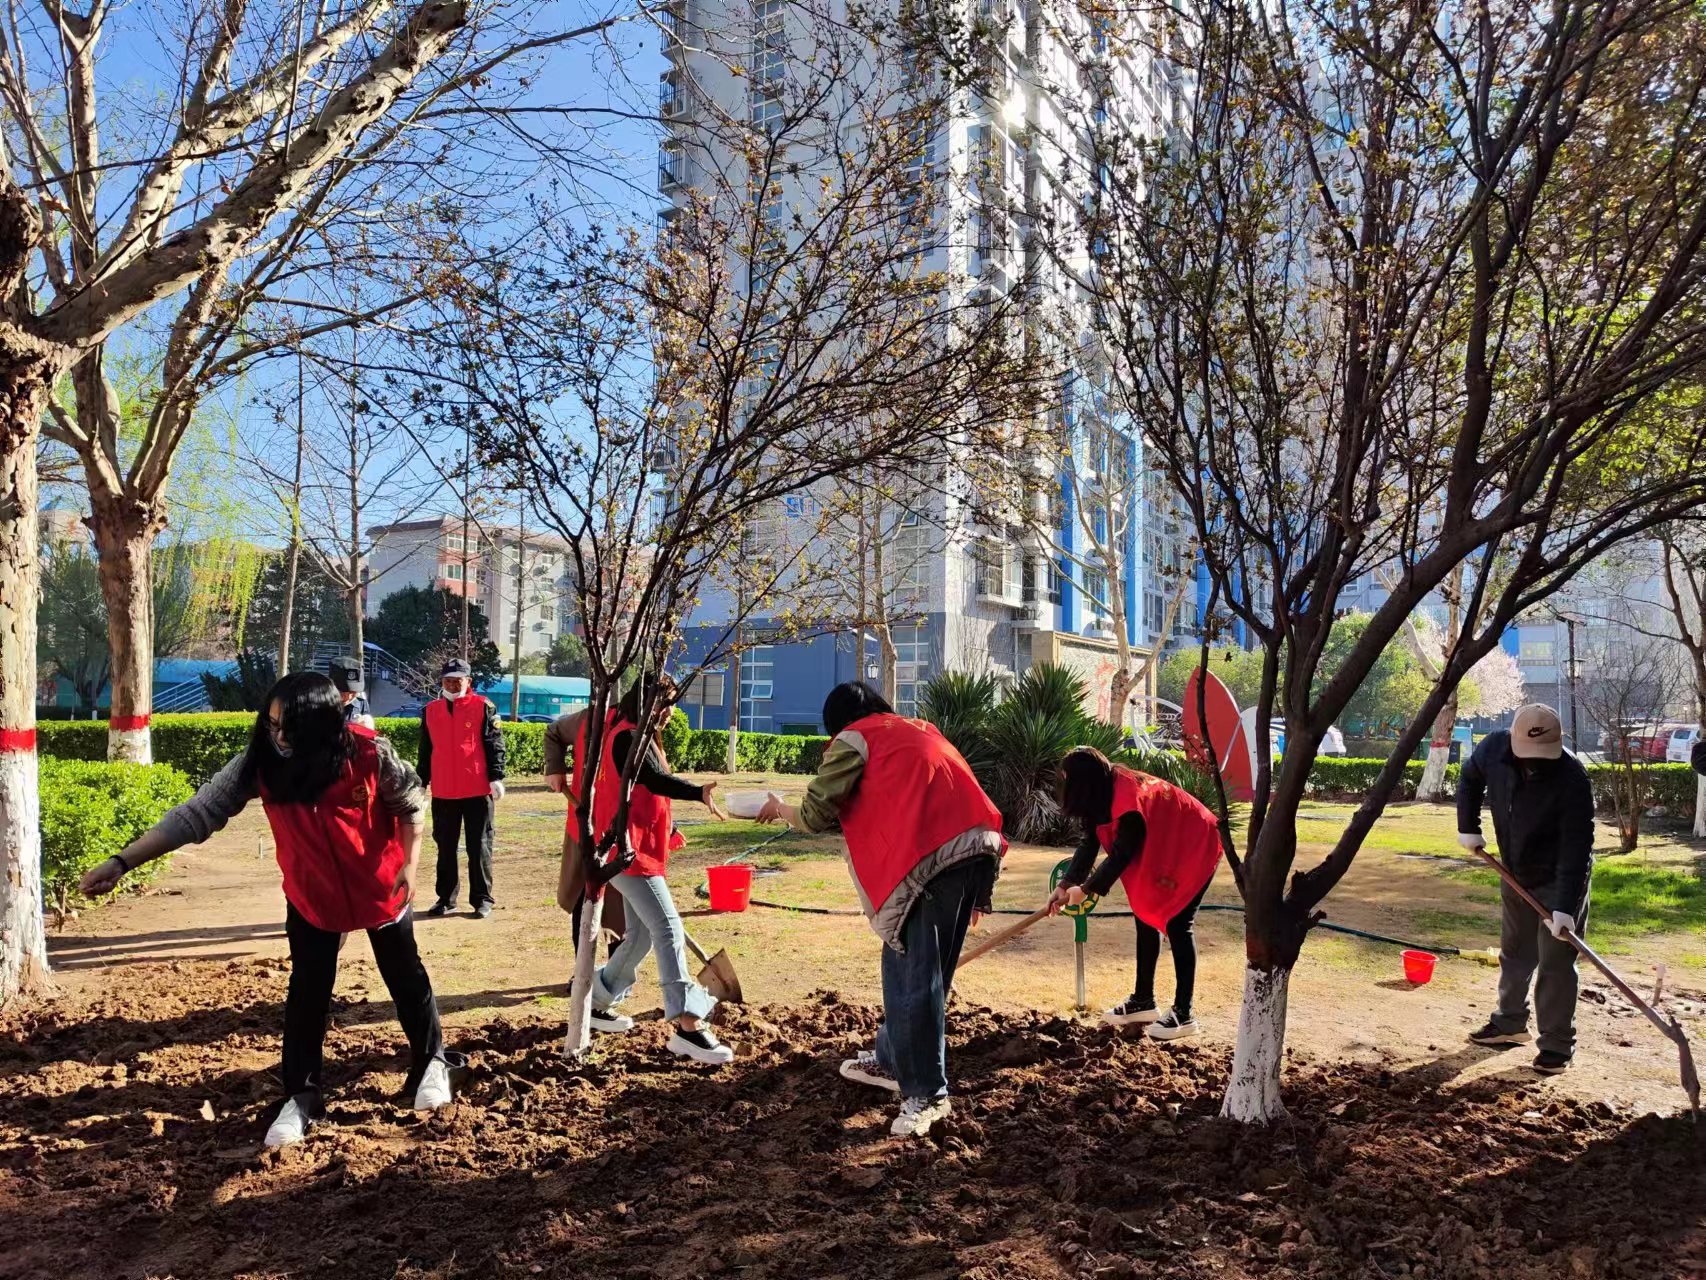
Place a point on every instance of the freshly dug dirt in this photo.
(130, 1125)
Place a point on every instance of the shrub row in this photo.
(1350, 776)
(92, 809)
(707, 751)
(1670, 786)
(198, 745)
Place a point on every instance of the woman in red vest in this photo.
(652, 921)
(924, 845)
(346, 817)
(1162, 846)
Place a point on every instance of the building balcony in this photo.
(1034, 617)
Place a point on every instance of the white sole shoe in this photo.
(685, 1048)
(434, 1089)
(1172, 1030)
(611, 1023)
(854, 1069)
(917, 1116)
(288, 1128)
(1141, 1017)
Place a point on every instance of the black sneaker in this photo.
(1170, 1026)
(701, 1046)
(438, 910)
(1131, 1012)
(1550, 1062)
(1491, 1037)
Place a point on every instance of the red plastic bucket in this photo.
(1419, 966)
(732, 886)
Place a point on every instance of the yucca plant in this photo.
(960, 704)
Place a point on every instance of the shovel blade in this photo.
(719, 978)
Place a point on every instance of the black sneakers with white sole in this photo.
(1491, 1037)
(611, 1023)
(1130, 1013)
(1170, 1026)
(701, 1046)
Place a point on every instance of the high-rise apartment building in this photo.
(967, 587)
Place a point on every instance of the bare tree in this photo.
(262, 147)
(333, 122)
(1320, 294)
(1632, 681)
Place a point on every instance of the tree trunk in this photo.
(291, 567)
(124, 544)
(731, 757)
(1700, 806)
(580, 989)
(357, 622)
(1253, 1091)
(1119, 695)
(27, 372)
(1432, 785)
(891, 660)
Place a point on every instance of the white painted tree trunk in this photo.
(580, 990)
(1253, 1091)
(1432, 785)
(23, 941)
(1700, 806)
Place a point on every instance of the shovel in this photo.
(1670, 1028)
(1006, 935)
(718, 976)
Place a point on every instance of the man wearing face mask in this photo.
(1543, 821)
(462, 760)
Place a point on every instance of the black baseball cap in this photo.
(346, 674)
(455, 667)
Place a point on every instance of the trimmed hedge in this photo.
(1669, 787)
(707, 750)
(1346, 775)
(200, 744)
(92, 809)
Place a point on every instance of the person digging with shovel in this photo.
(1542, 806)
(1163, 846)
(346, 817)
(652, 921)
(924, 845)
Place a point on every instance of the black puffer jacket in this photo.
(1698, 758)
(1542, 822)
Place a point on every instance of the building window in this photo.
(452, 571)
(757, 684)
(454, 542)
(907, 548)
(709, 689)
(1536, 649)
(912, 666)
(547, 612)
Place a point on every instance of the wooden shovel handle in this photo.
(1006, 935)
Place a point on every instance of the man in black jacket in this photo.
(1543, 820)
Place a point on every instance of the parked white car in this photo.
(1679, 747)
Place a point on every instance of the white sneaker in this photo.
(289, 1127)
(434, 1090)
(1169, 1027)
(865, 1069)
(701, 1046)
(611, 1023)
(1128, 1013)
(917, 1115)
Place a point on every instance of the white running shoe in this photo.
(434, 1090)
(611, 1023)
(917, 1115)
(1169, 1026)
(289, 1127)
(701, 1046)
(865, 1069)
(1129, 1013)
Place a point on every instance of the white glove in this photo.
(1471, 840)
(366, 722)
(497, 790)
(1561, 922)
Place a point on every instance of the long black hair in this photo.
(311, 713)
(1086, 785)
(852, 701)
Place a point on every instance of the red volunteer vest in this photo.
(649, 818)
(1180, 850)
(915, 794)
(341, 855)
(458, 747)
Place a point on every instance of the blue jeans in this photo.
(653, 925)
(912, 1043)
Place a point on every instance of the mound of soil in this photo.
(130, 1124)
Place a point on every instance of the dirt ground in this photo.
(132, 1102)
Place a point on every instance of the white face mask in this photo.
(453, 696)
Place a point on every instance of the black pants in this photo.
(313, 970)
(1182, 938)
(449, 819)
